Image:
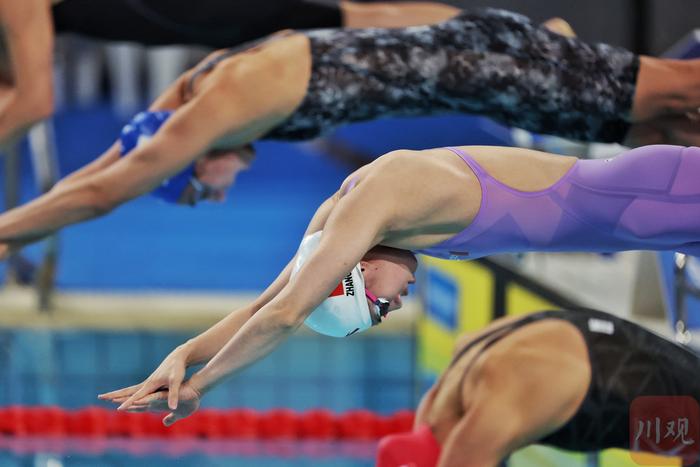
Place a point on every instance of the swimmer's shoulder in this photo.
(554, 341)
(412, 160)
(493, 157)
(407, 168)
(267, 59)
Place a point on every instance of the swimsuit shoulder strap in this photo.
(497, 334)
(469, 160)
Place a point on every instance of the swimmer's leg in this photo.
(501, 65)
(611, 86)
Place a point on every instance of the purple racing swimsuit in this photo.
(645, 199)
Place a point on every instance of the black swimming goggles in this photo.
(199, 191)
(380, 308)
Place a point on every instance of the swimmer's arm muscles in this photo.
(72, 199)
(189, 132)
(352, 228)
(203, 347)
(170, 99)
(421, 417)
(206, 345)
(492, 424)
(249, 112)
(481, 443)
(95, 195)
(512, 405)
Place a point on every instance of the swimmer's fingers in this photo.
(138, 409)
(119, 400)
(170, 419)
(176, 415)
(147, 388)
(156, 402)
(148, 399)
(174, 382)
(122, 393)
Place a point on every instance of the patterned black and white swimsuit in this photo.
(488, 62)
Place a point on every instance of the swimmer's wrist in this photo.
(203, 380)
(189, 352)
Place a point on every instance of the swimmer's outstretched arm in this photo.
(28, 95)
(171, 99)
(355, 224)
(347, 236)
(107, 187)
(196, 126)
(171, 372)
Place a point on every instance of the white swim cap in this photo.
(346, 310)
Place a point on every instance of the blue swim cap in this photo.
(139, 130)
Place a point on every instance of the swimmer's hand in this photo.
(187, 404)
(168, 378)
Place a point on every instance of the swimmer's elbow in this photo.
(37, 103)
(94, 200)
(287, 314)
(43, 107)
(37, 112)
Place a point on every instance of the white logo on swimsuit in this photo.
(601, 326)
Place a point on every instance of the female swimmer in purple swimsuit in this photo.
(453, 203)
